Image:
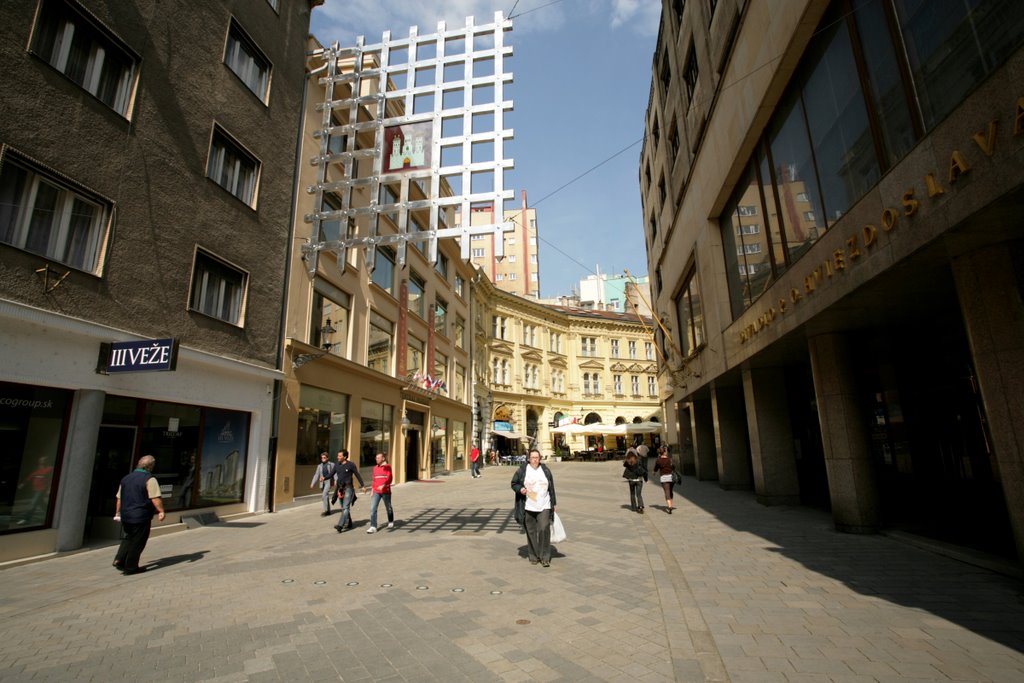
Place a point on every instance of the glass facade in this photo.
(375, 425)
(849, 115)
(323, 424)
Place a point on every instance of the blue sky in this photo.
(582, 76)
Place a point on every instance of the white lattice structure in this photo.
(417, 126)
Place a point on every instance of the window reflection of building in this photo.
(378, 355)
(375, 425)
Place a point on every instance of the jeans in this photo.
(346, 505)
(326, 496)
(476, 468)
(374, 501)
(636, 498)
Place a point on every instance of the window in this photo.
(378, 351)
(375, 424)
(441, 316)
(511, 258)
(478, 253)
(500, 277)
(512, 276)
(86, 53)
(329, 322)
(649, 350)
(459, 332)
(754, 248)
(635, 384)
(632, 349)
(555, 342)
(47, 217)
(414, 355)
(245, 59)
(384, 269)
(666, 79)
(749, 210)
(588, 346)
(690, 72)
(752, 229)
(530, 335)
(690, 315)
(533, 258)
(617, 382)
(586, 383)
(417, 285)
(460, 285)
(615, 348)
(232, 167)
(499, 327)
(218, 289)
(442, 266)
(652, 386)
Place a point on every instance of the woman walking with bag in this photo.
(535, 504)
(666, 474)
(634, 472)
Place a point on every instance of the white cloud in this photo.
(343, 20)
(642, 16)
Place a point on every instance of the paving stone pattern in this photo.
(722, 590)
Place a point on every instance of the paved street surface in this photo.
(722, 590)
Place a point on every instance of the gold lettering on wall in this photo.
(934, 189)
(909, 203)
(869, 233)
(957, 166)
(858, 243)
(987, 139)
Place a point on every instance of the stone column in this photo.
(990, 300)
(852, 480)
(771, 437)
(705, 461)
(687, 463)
(76, 472)
(731, 442)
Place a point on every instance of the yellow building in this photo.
(536, 366)
(518, 270)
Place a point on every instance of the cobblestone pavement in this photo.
(723, 589)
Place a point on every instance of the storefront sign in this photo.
(138, 356)
(860, 242)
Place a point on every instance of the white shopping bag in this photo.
(557, 530)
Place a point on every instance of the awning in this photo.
(510, 435)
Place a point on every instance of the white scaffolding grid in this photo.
(439, 100)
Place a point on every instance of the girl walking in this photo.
(664, 468)
(635, 473)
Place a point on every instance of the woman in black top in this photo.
(635, 473)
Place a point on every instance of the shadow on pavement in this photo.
(451, 520)
(165, 562)
(984, 602)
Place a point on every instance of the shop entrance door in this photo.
(412, 454)
(115, 455)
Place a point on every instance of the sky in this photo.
(581, 80)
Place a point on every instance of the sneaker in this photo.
(391, 525)
(545, 564)
(372, 530)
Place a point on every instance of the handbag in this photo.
(557, 529)
(676, 477)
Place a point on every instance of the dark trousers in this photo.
(476, 468)
(636, 498)
(538, 535)
(134, 542)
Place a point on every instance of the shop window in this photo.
(218, 289)
(247, 61)
(323, 426)
(438, 441)
(47, 217)
(32, 439)
(375, 425)
(233, 168)
(73, 43)
(458, 440)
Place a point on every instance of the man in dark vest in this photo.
(138, 498)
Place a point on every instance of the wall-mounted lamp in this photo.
(405, 421)
(326, 331)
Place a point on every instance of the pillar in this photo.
(685, 426)
(705, 465)
(772, 456)
(852, 481)
(76, 471)
(990, 300)
(731, 442)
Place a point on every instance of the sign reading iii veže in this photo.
(138, 356)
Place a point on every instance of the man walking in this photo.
(138, 498)
(382, 478)
(343, 473)
(474, 458)
(324, 478)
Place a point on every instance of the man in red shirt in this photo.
(382, 478)
(474, 458)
